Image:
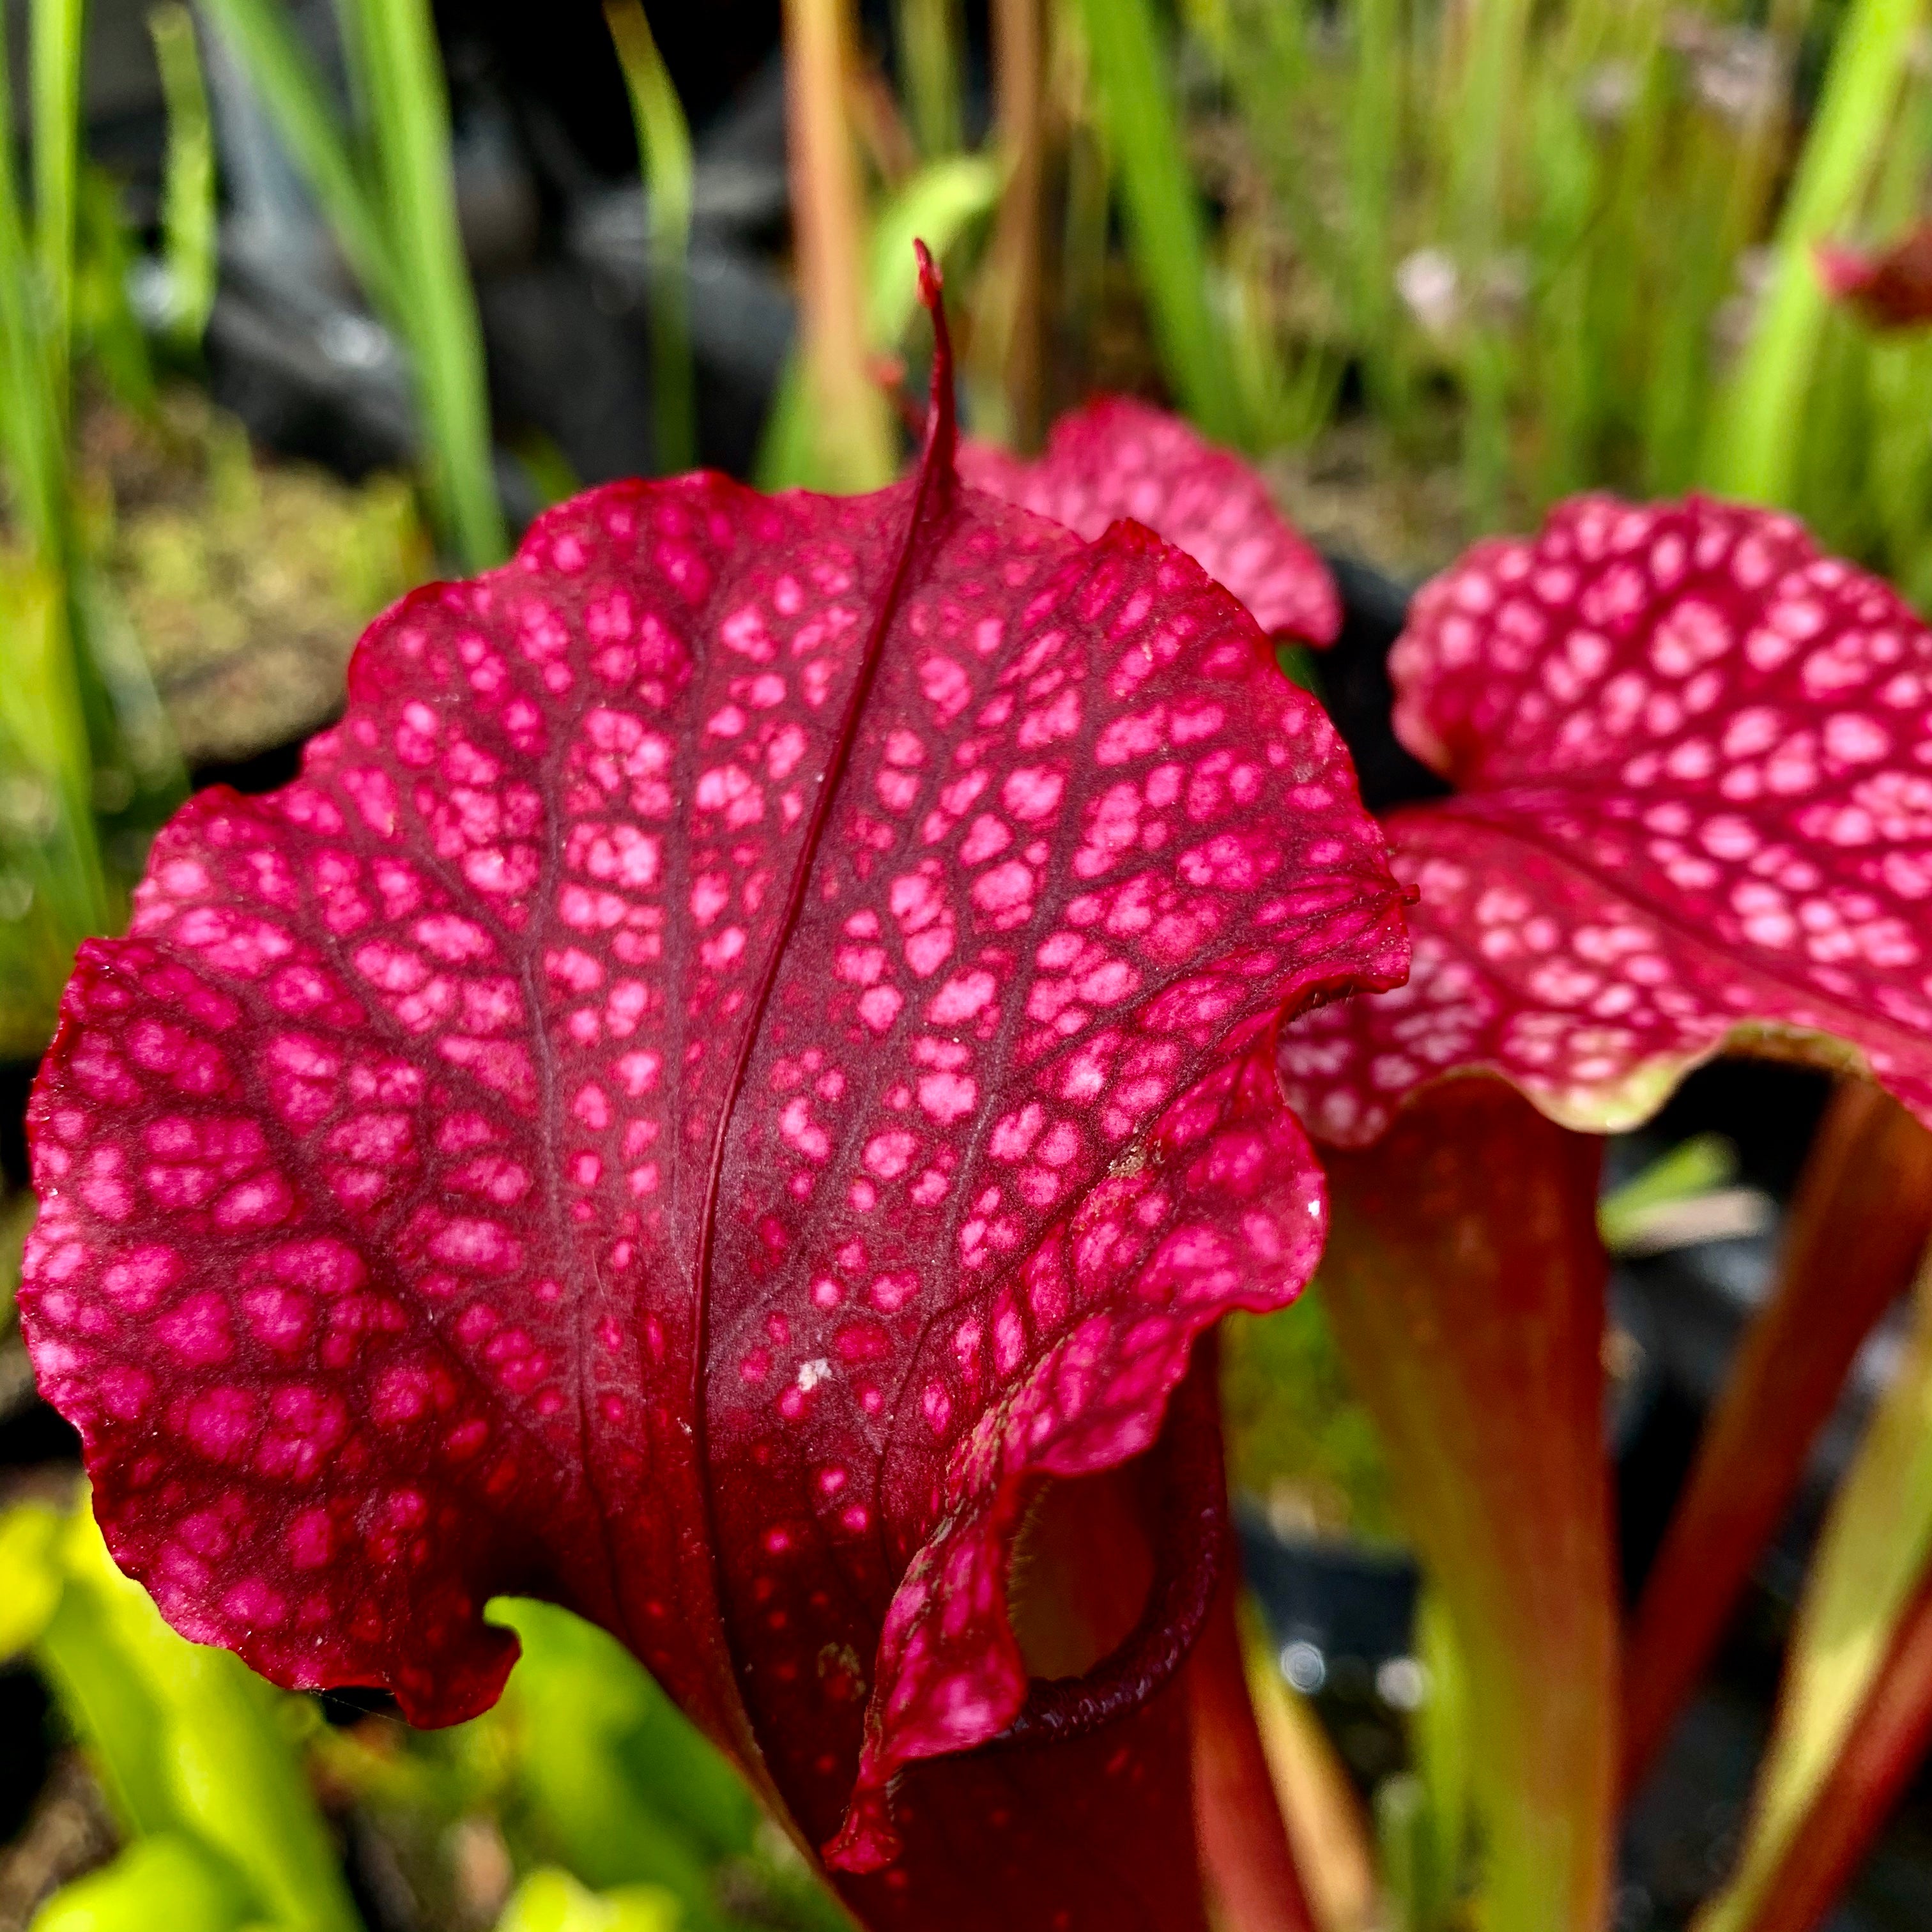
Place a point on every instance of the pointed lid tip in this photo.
(942, 432)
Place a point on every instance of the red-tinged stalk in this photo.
(1858, 1227)
(1884, 1748)
(1868, 1570)
(1465, 1280)
(1009, 341)
(850, 423)
(1246, 1854)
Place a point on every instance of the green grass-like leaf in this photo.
(262, 39)
(409, 108)
(664, 152)
(56, 42)
(190, 1743)
(1753, 453)
(1166, 229)
(187, 186)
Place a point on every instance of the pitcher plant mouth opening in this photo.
(1080, 1571)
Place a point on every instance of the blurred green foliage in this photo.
(550, 1900)
(381, 175)
(1298, 1439)
(1424, 1822)
(87, 766)
(1570, 244)
(197, 1756)
(665, 166)
(943, 203)
(229, 1796)
(188, 242)
(1166, 224)
(1874, 1553)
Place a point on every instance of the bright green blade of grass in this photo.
(106, 1702)
(68, 742)
(30, 423)
(928, 42)
(396, 223)
(187, 185)
(1165, 226)
(1484, 141)
(1374, 159)
(663, 153)
(409, 109)
(940, 205)
(261, 37)
(76, 736)
(1753, 452)
(1483, 128)
(108, 335)
(57, 30)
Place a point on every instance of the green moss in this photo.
(246, 582)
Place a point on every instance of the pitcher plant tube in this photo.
(1690, 818)
(724, 1097)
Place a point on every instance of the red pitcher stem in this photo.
(1245, 1851)
(1465, 1281)
(1858, 1227)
